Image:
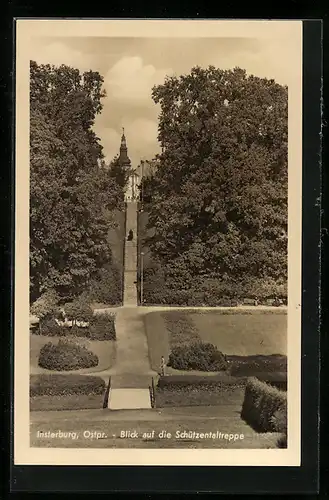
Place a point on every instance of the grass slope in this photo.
(239, 332)
(243, 334)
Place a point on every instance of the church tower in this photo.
(131, 193)
(123, 157)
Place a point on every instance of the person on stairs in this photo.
(130, 235)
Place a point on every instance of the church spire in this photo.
(123, 157)
(123, 138)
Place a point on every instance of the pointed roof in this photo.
(123, 157)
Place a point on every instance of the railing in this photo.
(138, 255)
(152, 394)
(107, 395)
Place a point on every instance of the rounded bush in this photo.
(197, 356)
(66, 356)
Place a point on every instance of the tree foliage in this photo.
(218, 200)
(120, 173)
(78, 310)
(71, 193)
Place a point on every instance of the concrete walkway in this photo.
(131, 376)
(132, 349)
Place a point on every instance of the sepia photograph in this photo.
(158, 191)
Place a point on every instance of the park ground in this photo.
(235, 332)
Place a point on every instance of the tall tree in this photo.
(119, 172)
(219, 201)
(70, 192)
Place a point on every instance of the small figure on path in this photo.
(130, 235)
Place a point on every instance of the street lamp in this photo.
(142, 186)
(142, 278)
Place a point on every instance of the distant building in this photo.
(132, 188)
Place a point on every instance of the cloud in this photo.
(132, 67)
(270, 58)
(110, 140)
(58, 53)
(131, 81)
(141, 138)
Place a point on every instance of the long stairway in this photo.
(131, 376)
(130, 260)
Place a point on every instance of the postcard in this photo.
(158, 242)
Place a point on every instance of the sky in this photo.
(132, 66)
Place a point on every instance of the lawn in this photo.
(244, 334)
(104, 349)
(234, 332)
(157, 339)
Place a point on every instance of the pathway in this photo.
(131, 375)
(130, 259)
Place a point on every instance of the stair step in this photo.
(130, 381)
(129, 399)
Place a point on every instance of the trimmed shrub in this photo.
(280, 420)
(66, 356)
(275, 379)
(246, 366)
(64, 385)
(49, 327)
(174, 382)
(197, 356)
(102, 327)
(78, 310)
(261, 404)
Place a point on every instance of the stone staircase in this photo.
(131, 377)
(130, 258)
